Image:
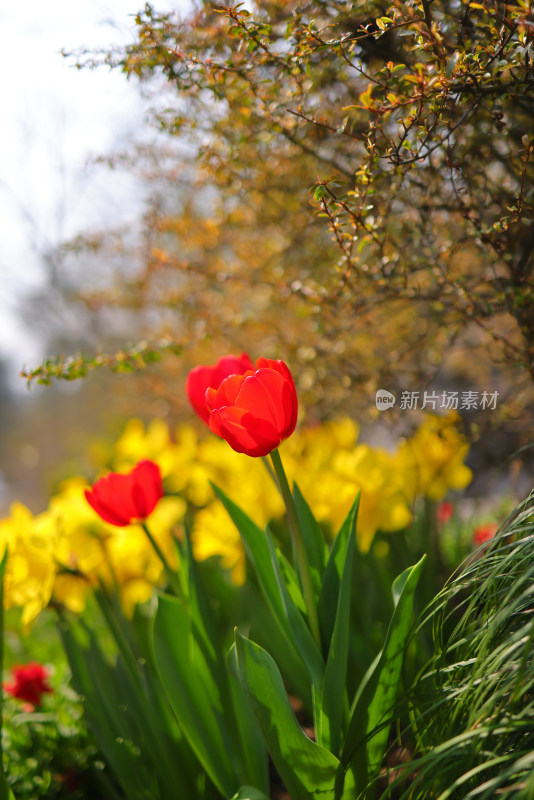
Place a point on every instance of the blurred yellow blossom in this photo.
(138, 442)
(71, 590)
(432, 460)
(79, 549)
(131, 560)
(31, 566)
(382, 502)
(313, 448)
(68, 548)
(214, 534)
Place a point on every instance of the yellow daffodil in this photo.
(214, 534)
(68, 548)
(432, 460)
(31, 566)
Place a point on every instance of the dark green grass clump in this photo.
(471, 732)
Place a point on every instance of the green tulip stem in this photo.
(298, 542)
(172, 577)
(272, 474)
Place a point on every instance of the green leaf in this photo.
(93, 678)
(206, 632)
(375, 699)
(246, 750)
(333, 703)
(314, 542)
(319, 193)
(291, 581)
(328, 600)
(398, 585)
(3, 564)
(307, 769)
(249, 793)
(253, 749)
(5, 789)
(262, 554)
(192, 692)
(266, 630)
(127, 710)
(157, 733)
(143, 715)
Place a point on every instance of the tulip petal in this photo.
(226, 393)
(120, 499)
(277, 365)
(115, 491)
(198, 380)
(262, 394)
(291, 408)
(287, 402)
(244, 432)
(202, 378)
(231, 365)
(147, 487)
(104, 511)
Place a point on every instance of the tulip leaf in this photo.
(241, 730)
(307, 769)
(291, 581)
(5, 789)
(314, 541)
(206, 632)
(93, 678)
(333, 704)
(373, 705)
(253, 750)
(156, 731)
(128, 711)
(249, 793)
(267, 631)
(261, 551)
(191, 691)
(333, 575)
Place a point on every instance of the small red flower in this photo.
(444, 512)
(211, 376)
(256, 410)
(484, 533)
(29, 683)
(124, 499)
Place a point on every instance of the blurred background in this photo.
(57, 123)
(147, 211)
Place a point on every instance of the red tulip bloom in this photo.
(444, 512)
(484, 533)
(124, 499)
(200, 379)
(29, 683)
(256, 410)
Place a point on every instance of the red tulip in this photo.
(484, 533)
(444, 511)
(29, 684)
(254, 411)
(123, 499)
(202, 378)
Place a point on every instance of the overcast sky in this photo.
(54, 118)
